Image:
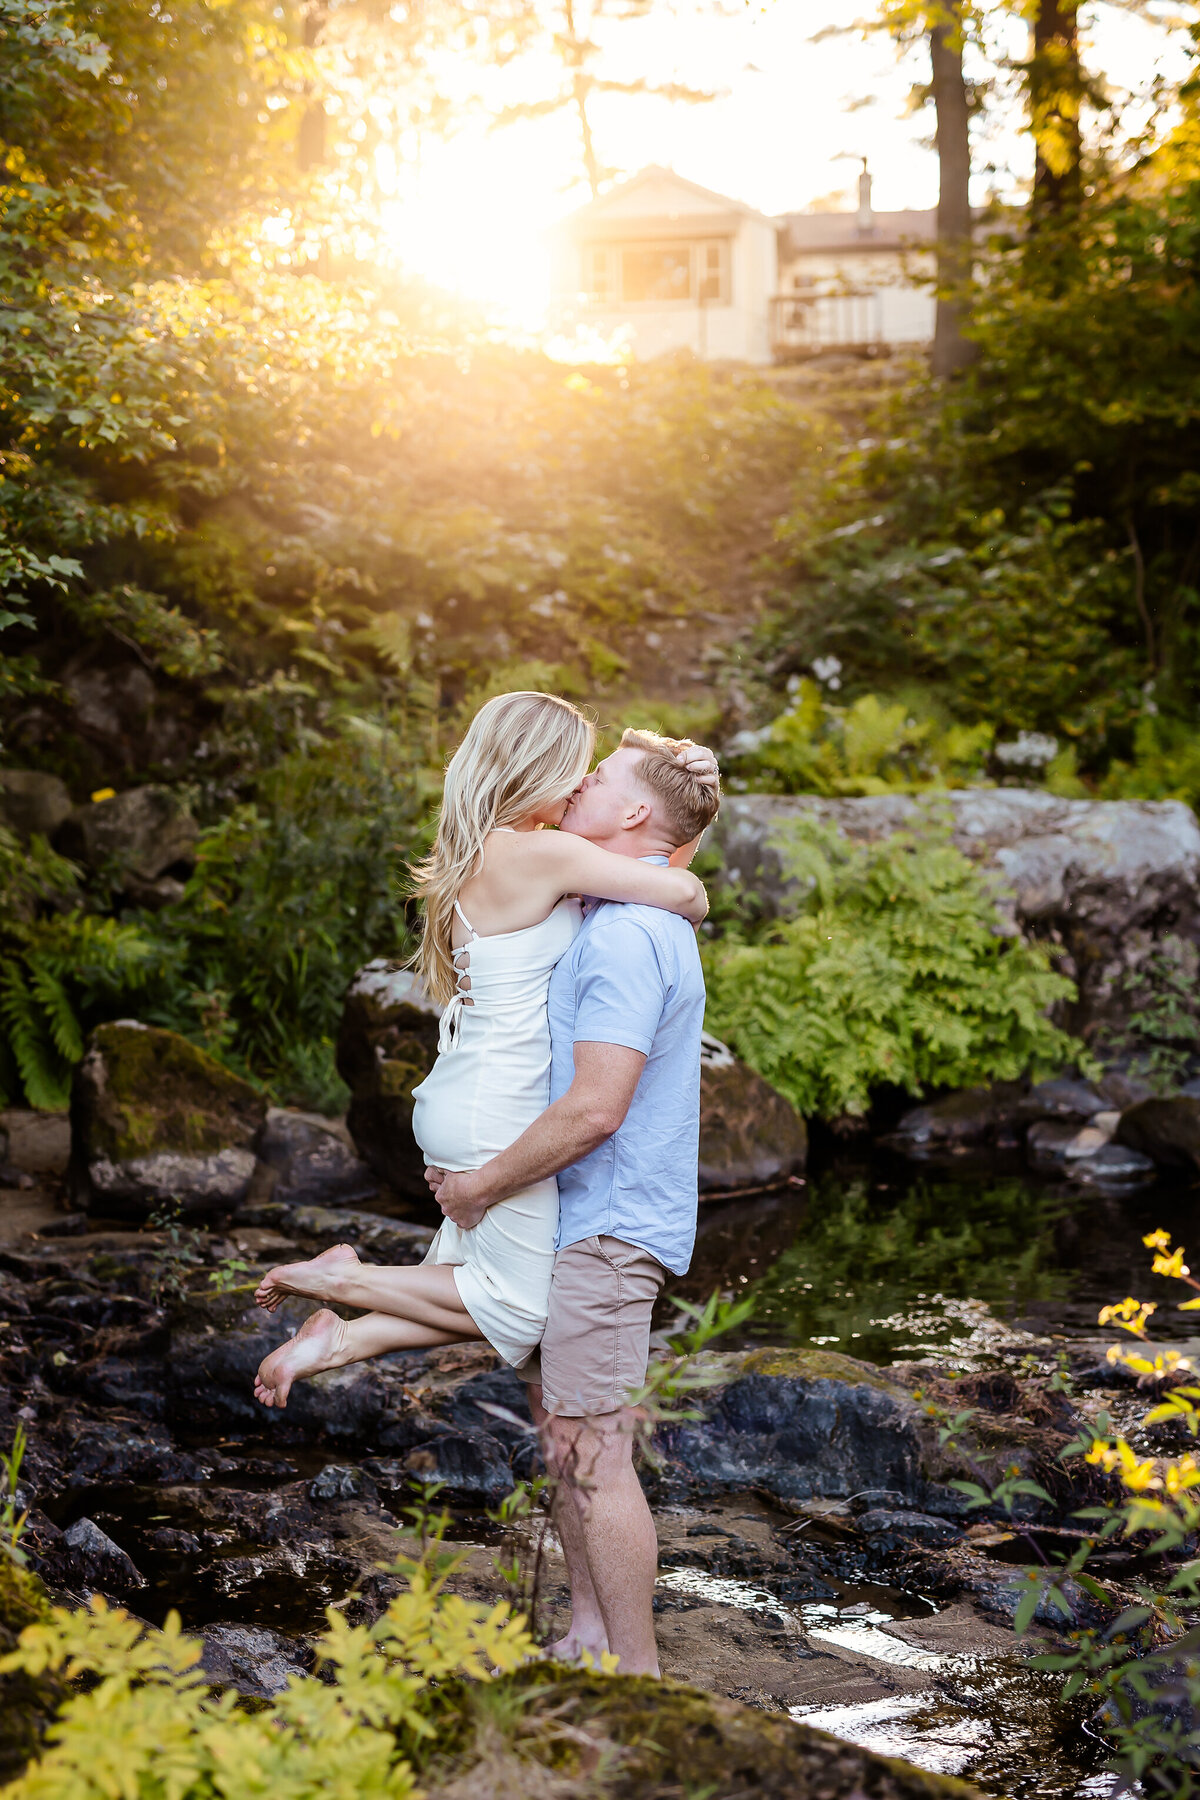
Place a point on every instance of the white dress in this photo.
(490, 1081)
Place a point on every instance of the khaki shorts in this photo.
(597, 1341)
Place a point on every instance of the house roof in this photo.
(809, 233)
(618, 209)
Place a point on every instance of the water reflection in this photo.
(883, 1263)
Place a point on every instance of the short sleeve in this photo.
(619, 987)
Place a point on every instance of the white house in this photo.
(853, 280)
(671, 266)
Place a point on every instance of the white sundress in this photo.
(490, 1082)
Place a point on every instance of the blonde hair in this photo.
(522, 752)
(687, 805)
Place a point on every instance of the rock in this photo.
(750, 1136)
(255, 1661)
(974, 1117)
(37, 1142)
(101, 1564)
(1053, 1143)
(338, 1481)
(156, 1120)
(31, 802)
(1064, 1098)
(470, 1465)
(1118, 880)
(379, 1238)
(387, 1043)
(1114, 1170)
(907, 1527)
(142, 835)
(313, 1162)
(1168, 1130)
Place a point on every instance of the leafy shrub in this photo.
(893, 971)
(873, 746)
(148, 1725)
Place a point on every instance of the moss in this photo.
(157, 1091)
(668, 1735)
(820, 1365)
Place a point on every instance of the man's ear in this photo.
(637, 815)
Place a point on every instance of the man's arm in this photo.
(593, 1107)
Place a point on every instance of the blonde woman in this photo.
(500, 910)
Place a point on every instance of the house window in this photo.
(712, 261)
(657, 272)
(598, 274)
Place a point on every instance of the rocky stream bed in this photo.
(815, 1561)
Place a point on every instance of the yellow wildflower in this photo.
(1157, 1240)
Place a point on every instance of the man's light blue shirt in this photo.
(633, 977)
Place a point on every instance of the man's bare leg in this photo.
(585, 1635)
(619, 1540)
(325, 1341)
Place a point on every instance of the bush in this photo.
(893, 972)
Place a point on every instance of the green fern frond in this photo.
(59, 1018)
(45, 1080)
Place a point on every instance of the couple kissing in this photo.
(560, 1121)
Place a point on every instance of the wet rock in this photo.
(750, 1136)
(31, 802)
(1054, 1143)
(1168, 1130)
(387, 1043)
(966, 1120)
(101, 1565)
(255, 1661)
(470, 1465)
(1064, 1098)
(1112, 1170)
(907, 1527)
(338, 1481)
(155, 1120)
(378, 1238)
(313, 1160)
(139, 836)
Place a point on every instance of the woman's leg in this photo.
(423, 1293)
(325, 1341)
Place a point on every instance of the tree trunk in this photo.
(1055, 93)
(951, 350)
(310, 145)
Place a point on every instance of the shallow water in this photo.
(885, 1262)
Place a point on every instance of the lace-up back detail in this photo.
(492, 1075)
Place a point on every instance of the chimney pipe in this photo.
(866, 218)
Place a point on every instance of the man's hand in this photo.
(458, 1195)
(700, 761)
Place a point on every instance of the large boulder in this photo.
(154, 1121)
(31, 802)
(145, 837)
(312, 1160)
(1166, 1129)
(750, 1136)
(387, 1043)
(1117, 880)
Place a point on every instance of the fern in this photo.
(45, 1081)
(894, 972)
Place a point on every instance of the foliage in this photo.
(893, 971)
(872, 746)
(12, 1522)
(1025, 542)
(146, 1723)
(58, 965)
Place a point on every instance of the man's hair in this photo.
(686, 805)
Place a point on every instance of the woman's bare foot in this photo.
(311, 1279)
(314, 1347)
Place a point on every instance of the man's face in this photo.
(604, 800)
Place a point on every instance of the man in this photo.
(621, 1133)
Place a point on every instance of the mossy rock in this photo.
(154, 1118)
(820, 1365)
(27, 1703)
(671, 1739)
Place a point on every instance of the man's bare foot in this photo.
(574, 1649)
(311, 1279)
(314, 1347)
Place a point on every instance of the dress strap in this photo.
(462, 915)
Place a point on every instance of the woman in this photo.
(499, 912)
